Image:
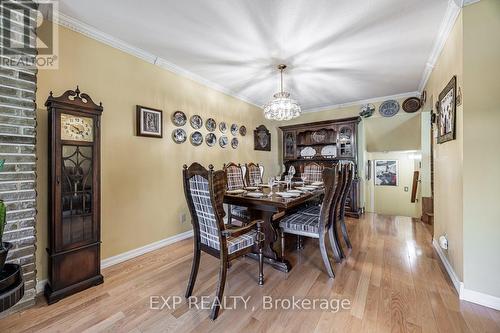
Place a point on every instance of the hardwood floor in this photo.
(393, 280)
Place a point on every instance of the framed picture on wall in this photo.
(149, 122)
(447, 108)
(262, 138)
(386, 173)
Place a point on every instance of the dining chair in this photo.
(253, 175)
(314, 226)
(313, 172)
(204, 190)
(235, 181)
(349, 176)
(337, 213)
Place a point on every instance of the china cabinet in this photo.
(326, 143)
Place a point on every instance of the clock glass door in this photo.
(76, 195)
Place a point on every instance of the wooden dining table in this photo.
(266, 208)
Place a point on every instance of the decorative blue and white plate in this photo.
(210, 124)
(196, 122)
(179, 135)
(234, 129)
(389, 108)
(210, 139)
(223, 141)
(222, 127)
(196, 138)
(234, 143)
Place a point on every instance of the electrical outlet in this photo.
(406, 188)
(182, 218)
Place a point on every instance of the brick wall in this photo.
(17, 147)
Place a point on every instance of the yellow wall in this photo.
(142, 195)
(481, 211)
(448, 156)
(393, 200)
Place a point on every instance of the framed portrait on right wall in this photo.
(447, 110)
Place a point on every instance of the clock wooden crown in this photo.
(74, 99)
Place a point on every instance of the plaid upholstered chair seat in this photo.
(300, 224)
(235, 244)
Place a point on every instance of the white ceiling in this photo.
(338, 51)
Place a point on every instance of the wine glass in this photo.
(289, 182)
(270, 182)
(303, 177)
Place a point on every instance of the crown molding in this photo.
(450, 16)
(360, 102)
(90, 31)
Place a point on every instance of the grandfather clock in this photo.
(74, 192)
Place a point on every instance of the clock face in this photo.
(77, 128)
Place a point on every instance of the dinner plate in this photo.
(255, 194)
(295, 191)
(288, 194)
(317, 184)
(235, 191)
(305, 188)
(251, 187)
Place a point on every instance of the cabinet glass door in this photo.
(76, 195)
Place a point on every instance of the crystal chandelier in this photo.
(282, 107)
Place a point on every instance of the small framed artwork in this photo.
(262, 138)
(386, 173)
(149, 122)
(447, 109)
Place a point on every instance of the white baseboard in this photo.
(464, 293)
(144, 249)
(451, 273)
(132, 254)
(480, 298)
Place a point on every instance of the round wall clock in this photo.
(234, 143)
(389, 108)
(223, 141)
(234, 129)
(179, 118)
(411, 104)
(210, 139)
(179, 135)
(196, 121)
(210, 124)
(243, 131)
(196, 138)
(222, 127)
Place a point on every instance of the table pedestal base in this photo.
(281, 265)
